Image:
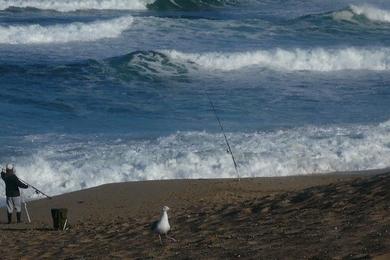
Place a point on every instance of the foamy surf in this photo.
(74, 5)
(73, 165)
(369, 12)
(317, 59)
(63, 33)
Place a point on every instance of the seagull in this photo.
(161, 227)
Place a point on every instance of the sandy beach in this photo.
(329, 216)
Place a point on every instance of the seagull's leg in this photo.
(159, 236)
(171, 238)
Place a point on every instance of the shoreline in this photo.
(155, 188)
(158, 192)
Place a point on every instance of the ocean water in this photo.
(101, 91)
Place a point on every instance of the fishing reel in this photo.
(38, 192)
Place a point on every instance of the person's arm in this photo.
(21, 184)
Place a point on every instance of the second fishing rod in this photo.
(224, 134)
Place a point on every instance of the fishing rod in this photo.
(37, 191)
(223, 132)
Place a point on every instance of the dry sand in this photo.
(330, 216)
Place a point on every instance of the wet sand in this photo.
(329, 216)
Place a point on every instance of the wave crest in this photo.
(139, 65)
(146, 65)
(29, 34)
(74, 5)
(189, 5)
(155, 66)
(290, 60)
(355, 13)
(172, 64)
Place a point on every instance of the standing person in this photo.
(12, 185)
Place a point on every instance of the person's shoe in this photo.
(19, 217)
(9, 218)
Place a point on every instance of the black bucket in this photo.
(60, 218)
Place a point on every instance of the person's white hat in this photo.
(10, 166)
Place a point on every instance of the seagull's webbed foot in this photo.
(159, 236)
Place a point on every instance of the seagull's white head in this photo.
(165, 208)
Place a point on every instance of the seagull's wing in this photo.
(153, 226)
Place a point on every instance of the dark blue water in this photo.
(104, 91)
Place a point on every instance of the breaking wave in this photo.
(78, 163)
(74, 5)
(171, 64)
(149, 65)
(290, 60)
(28, 34)
(140, 65)
(356, 13)
(179, 66)
(189, 5)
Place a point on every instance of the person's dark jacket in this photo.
(12, 184)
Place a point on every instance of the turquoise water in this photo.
(108, 91)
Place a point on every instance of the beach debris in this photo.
(161, 226)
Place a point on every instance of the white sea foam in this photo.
(74, 165)
(73, 5)
(27, 34)
(290, 60)
(369, 12)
